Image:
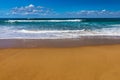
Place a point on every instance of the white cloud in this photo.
(31, 6)
(94, 13)
(31, 10)
(40, 11)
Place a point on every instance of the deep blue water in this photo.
(58, 28)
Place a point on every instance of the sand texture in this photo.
(80, 63)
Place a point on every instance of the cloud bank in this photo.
(31, 10)
(40, 12)
(94, 13)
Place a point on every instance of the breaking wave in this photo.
(11, 33)
(69, 28)
(74, 20)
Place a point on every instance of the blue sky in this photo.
(59, 8)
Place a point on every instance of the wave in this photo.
(10, 33)
(50, 31)
(74, 20)
(96, 32)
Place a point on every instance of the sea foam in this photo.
(74, 20)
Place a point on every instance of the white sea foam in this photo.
(57, 34)
(10, 33)
(70, 20)
(50, 31)
(103, 31)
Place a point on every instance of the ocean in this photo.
(58, 28)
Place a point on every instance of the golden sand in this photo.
(82, 63)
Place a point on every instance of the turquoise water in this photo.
(58, 28)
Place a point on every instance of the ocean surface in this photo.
(59, 28)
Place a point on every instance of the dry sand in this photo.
(80, 63)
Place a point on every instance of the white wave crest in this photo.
(74, 20)
(60, 34)
(96, 32)
(50, 31)
(11, 33)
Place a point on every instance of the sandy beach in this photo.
(100, 62)
(59, 39)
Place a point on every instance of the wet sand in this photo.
(74, 63)
(60, 43)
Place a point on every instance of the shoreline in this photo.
(59, 43)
